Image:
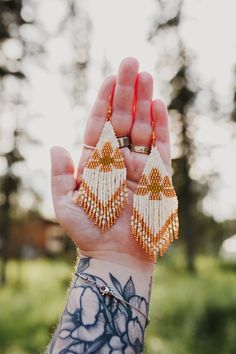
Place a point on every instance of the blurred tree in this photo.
(182, 96)
(187, 190)
(10, 184)
(10, 21)
(77, 25)
(23, 35)
(233, 115)
(13, 49)
(176, 61)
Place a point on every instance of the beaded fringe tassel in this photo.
(103, 190)
(154, 222)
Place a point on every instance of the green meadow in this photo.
(190, 313)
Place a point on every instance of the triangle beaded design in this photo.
(103, 190)
(154, 222)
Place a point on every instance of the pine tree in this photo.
(182, 98)
(10, 22)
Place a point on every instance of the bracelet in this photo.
(105, 290)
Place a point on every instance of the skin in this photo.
(130, 89)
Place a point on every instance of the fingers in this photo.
(161, 121)
(124, 95)
(128, 89)
(98, 114)
(62, 172)
(141, 133)
(123, 91)
(161, 130)
(122, 106)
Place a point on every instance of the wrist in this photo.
(120, 260)
(107, 270)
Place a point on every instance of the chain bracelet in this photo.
(105, 290)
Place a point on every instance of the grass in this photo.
(190, 314)
(193, 313)
(31, 303)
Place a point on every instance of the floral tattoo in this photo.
(93, 323)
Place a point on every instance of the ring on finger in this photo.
(141, 149)
(124, 141)
(89, 146)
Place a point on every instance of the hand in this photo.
(117, 244)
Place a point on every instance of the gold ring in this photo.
(141, 149)
(88, 146)
(124, 141)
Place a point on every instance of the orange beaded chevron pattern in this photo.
(154, 222)
(103, 190)
(101, 213)
(155, 244)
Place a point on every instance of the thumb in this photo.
(62, 172)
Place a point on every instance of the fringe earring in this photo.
(103, 190)
(154, 221)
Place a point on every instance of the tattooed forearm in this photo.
(96, 323)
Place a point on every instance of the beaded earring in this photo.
(103, 190)
(154, 221)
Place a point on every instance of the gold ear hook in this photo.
(153, 130)
(153, 137)
(109, 111)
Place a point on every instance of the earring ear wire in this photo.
(109, 111)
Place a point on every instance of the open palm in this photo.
(131, 89)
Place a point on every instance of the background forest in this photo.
(53, 56)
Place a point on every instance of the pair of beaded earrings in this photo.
(103, 194)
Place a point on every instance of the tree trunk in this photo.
(3, 277)
(190, 253)
(4, 251)
(4, 259)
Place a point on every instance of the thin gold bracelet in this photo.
(105, 290)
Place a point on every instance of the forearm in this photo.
(96, 323)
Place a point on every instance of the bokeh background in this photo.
(53, 57)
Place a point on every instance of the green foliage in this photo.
(31, 304)
(190, 313)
